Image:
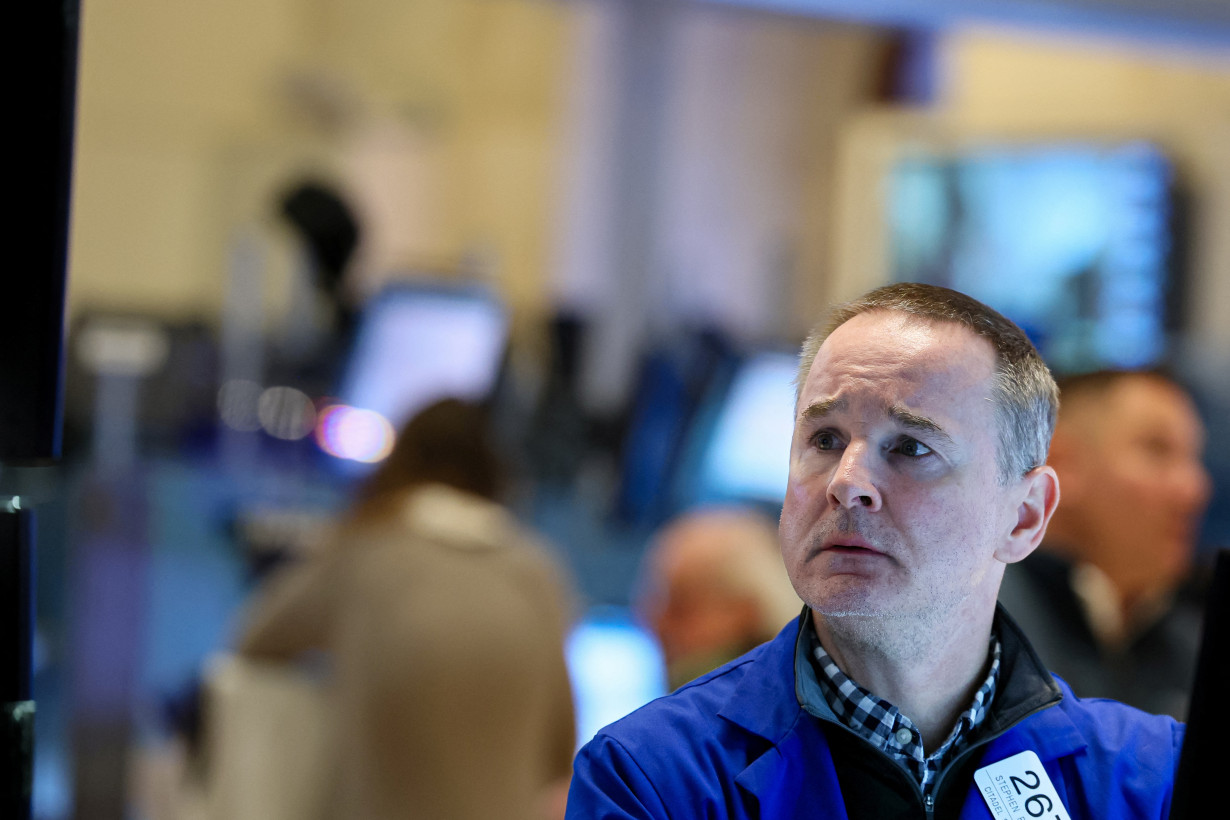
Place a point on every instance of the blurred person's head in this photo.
(1127, 449)
(448, 442)
(713, 587)
(327, 227)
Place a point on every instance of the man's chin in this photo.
(864, 604)
(847, 596)
(852, 612)
(849, 606)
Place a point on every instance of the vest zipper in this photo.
(928, 800)
(983, 741)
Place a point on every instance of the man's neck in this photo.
(931, 675)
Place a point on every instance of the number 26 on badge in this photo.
(1018, 788)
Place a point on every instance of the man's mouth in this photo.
(848, 544)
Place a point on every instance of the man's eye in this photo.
(824, 440)
(912, 448)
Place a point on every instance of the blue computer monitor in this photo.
(1071, 241)
(739, 447)
(416, 344)
(615, 666)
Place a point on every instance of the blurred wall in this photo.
(1025, 86)
(163, 91)
(193, 117)
(487, 134)
(697, 173)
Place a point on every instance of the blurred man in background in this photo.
(713, 587)
(1103, 600)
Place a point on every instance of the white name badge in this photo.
(1018, 788)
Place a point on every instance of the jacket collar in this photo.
(1029, 692)
(769, 702)
(459, 519)
(764, 704)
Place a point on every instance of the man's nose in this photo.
(1195, 486)
(853, 482)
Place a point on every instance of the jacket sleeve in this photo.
(608, 784)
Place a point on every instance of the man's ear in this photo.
(1039, 495)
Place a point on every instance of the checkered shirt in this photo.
(881, 723)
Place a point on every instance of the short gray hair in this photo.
(1025, 396)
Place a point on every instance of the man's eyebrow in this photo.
(820, 409)
(898, 412)
(916, 422)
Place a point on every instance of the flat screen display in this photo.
(1070, 241)
(420, 343)
(615, 667)
(745, 454)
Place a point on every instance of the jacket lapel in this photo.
(794, 779)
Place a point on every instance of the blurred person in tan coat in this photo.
(445, 624)
(1106, 599)
(713, 587)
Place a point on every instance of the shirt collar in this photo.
(881, 723)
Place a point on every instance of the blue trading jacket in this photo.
(737, 744)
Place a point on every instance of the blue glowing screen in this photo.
(1072, 242)
(615, 666)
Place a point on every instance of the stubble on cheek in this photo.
(839, 585)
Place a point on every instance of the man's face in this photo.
(893, 507)
(1139, 488)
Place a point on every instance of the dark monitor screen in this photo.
(1070, 241)
(1202, 764)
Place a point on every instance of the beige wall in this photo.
(162, 89)
(192, 117)
(445, 120)
(1002, 86)
(1030, 86)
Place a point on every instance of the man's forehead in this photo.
(936, 377)
(904, 346)
(899, 320)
